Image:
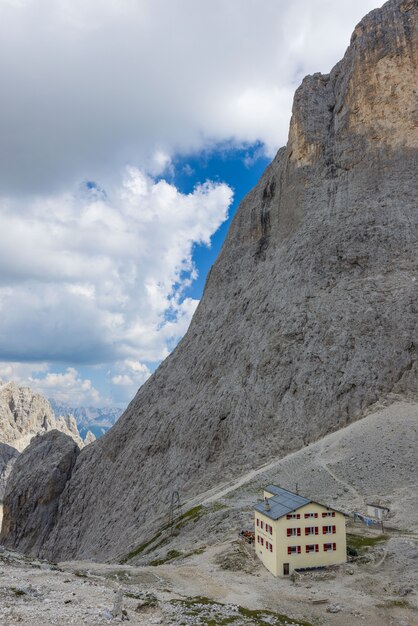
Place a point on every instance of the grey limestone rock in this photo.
(8, 456)
(308, 318)
(25, 414)
(30, 507)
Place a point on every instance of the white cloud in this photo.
(90, 86)
(66, 388)
(92, 280)
(104, 91)
(130, 375)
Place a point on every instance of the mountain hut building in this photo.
(293, 532)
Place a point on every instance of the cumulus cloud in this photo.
(110, 93)
(100, 279)
(127, 377)
(90, 86)
(66, 388)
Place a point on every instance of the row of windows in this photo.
(268, 544)
(261, 524)
(311, 530)
(310, 515)
(313, 547)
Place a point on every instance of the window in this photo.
(311, 530)
(262, 541)
(262, 525)
(313, 547)
(308, 515)
(293, 516)
(328, 530)
(269, 529)
(258, 522)
(258, 538)
(330, 547)
(328, 514)
(293, 532)
(269, 546)
(294, 550)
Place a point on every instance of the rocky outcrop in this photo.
(8, 456)
(309, 316)
(30, 507)
(25, 414)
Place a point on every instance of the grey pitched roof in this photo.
(281, 503)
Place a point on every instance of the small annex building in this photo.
(293, 532)
(377, 511)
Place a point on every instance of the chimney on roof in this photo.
(266, 504)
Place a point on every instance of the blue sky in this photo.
(130, 132)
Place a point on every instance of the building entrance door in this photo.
(285, 569)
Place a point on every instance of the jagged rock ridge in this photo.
(93, 419)
(25, 414)
(309, 316)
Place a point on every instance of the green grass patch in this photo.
(17, 591)
(362, 542)
(211, 613)
(170, 556)
(392, 604)
(218, 506)
(175, 554)
(190, 515)
(139, 549)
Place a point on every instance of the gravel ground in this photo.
(207, 577)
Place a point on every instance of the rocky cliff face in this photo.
(30, 507)
(309, 316)
(8, 456)
(25, 414)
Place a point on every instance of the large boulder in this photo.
(30, 506)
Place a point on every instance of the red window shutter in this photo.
(298, 516)
(316, 530)
(333, 529)
(258, 522)
(298, 530)
(334, 546)
(307, 548)
(316, 514)
(306, 515)
(258, 538)
(325, 547)
(316, 547)
(271, 530)
(324, 514)
(324, 530)
(289, 532)
(289, 550)
(306, 531)
(271, 548)
(299, 549)
(333, 514)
